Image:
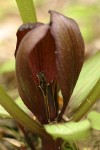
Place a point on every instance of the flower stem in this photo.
(51, 144)
(27, 10)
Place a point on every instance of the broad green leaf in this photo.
(8, 66)
(27, 10)
(94, 117)
(88, 78)
(70, 130)
(19, 115)
(84, 107)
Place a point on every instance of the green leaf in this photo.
(8, 66)
(27, 10)
(88, 78)
(70, 130)
(94, 117)
(87, 103)
(4, 114)
(20, 103)
(19, 115)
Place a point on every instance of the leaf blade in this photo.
(94, 117)
(70, 130)
(19, 115)
(89, 76)
(87, 103)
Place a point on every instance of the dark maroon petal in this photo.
(23, 30)
(42, 58)
(69, 53)
(34, 56)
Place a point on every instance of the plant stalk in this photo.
(51, 144)
(27, 10)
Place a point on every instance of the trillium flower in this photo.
(49, 57)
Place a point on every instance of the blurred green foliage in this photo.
(88, 78)
(8, 66)
(10, 7)
(86, 16)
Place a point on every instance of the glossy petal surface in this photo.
(69, 53)
(23, 30)
(35, 55)
(48, 55)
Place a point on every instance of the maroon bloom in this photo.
(48, 56)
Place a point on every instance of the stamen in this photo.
(43, 86)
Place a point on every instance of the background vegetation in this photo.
(86, 13)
